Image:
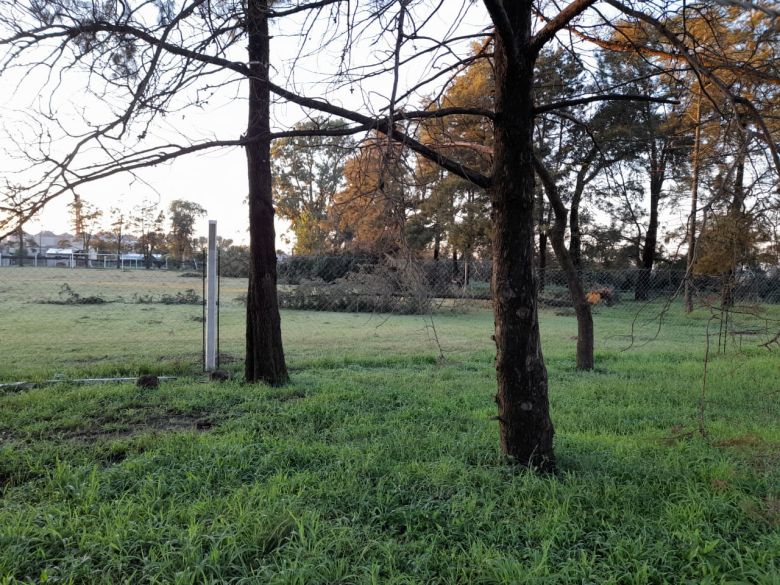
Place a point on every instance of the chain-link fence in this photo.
(108, 321)
(57, 320)
(392, 285)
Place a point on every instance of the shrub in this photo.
(297, 269)
(602, 294)
(386, 288)
(67, 296)
(188, 297)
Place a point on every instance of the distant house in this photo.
(47, 239)
(61, 257)
(10, 245)
(134, 259)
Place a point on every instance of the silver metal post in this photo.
(211, 297)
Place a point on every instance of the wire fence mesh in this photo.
(109, 321)
(339, 283)
(58, 320)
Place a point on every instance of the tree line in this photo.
(144, 229)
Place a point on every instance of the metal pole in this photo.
(203, 308)
(211, 307)
(219, 288)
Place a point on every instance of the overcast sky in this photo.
(216, 179)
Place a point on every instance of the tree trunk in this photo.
(20, 254)
(694, 210)
(735, 211)
(455, 269)
(264, 351)
(542, 226)
(657, 175)
(575, 231)
(575, 234)
(585, 333)
(526, 431)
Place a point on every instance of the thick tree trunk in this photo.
(585, 334)
(264, 352)
(526, 431)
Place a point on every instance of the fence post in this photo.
(211, 307)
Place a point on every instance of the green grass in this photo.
(378, 464)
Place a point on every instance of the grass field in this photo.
(378, 463)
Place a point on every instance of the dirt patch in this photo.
(761, 455)
(740, 441)
(204, 425)
(154, 422)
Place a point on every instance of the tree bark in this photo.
(20, 254)
(118, 250)
(735, 211)
(526, 431)
(575, 231)
(585, 333)
(694, 210)
(264, 351)
(455, 269)
(657, 177)
(542, 225)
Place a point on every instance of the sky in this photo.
(215, 179)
